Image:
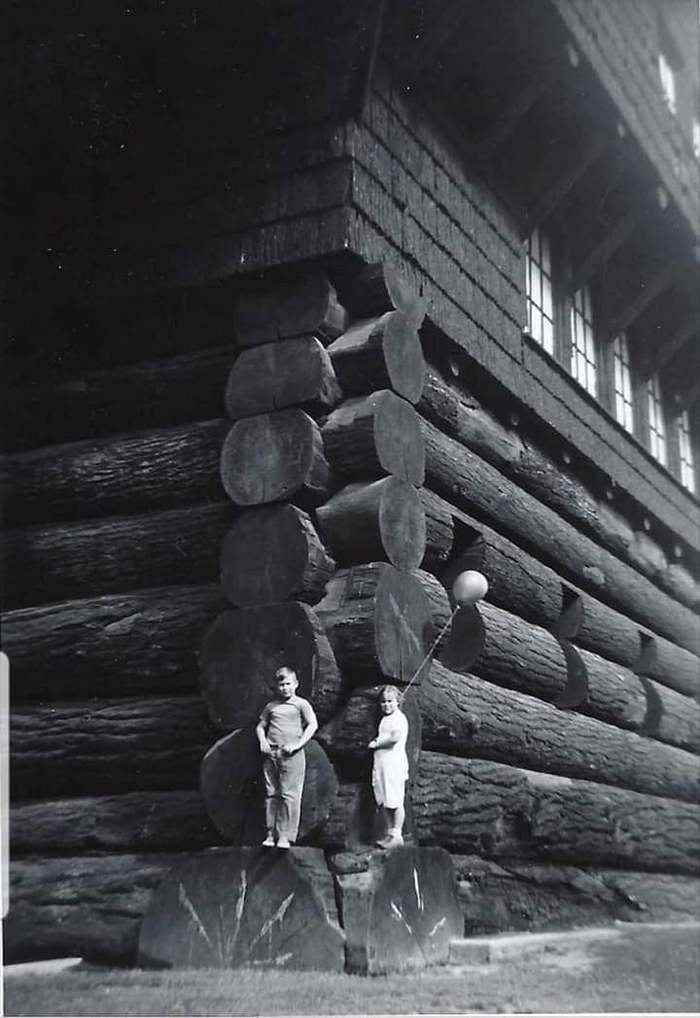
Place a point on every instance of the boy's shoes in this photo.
(269, 842)
(283, 843)
(391, 841)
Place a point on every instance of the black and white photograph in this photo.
(350, 480)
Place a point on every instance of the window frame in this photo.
(656, 429)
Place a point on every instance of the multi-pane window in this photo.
(540, 301)
(685, 451)
(657, 426)
(668, 82)
(696, 137)
(583, 354)
(624, 402)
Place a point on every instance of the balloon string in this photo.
(430, 652)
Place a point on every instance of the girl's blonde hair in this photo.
(391, 689)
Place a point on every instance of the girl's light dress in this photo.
(390, 766)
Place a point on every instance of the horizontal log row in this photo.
(461, 415)
(380, 353)
(61, 561)
(461, 476)
(295, 304)
(115, 645)
(523, 585)
(503, 812)
(378, 288)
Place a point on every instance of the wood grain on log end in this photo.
(274, 457)
(243, 649)
(381, 520)
(245, 906)
(232, 788)
(377, 620)
(374, 435)
(279, 375)
(380, 287)
(304, 304)
(380, 353)
(273, 554)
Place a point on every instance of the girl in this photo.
(390, 766)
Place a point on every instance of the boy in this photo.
(390, 766)
(286, 724)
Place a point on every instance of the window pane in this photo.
(540, 300)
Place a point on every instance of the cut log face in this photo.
(273, 457)
(117, 644)
(400, 911)
(244, 906)
(463, 714)
(306, 305)
(380, 287)
(244, 648)
(273, 554)
(504, 812)
(381, 520)
(278, 375)
(377, 620)
(233, 792)
(380, 353)
(378, 434)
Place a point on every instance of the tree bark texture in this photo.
(461, 415)
(172, 821)
(400, 909)
(279, 375)
(62, 561)
(146, 395)
(114, 645)
(458, 474)
(275, 457)
(383, 520)
(524, 896)
(243, 649)
(300, 305)
(86, 906)
(378, 621)
(273, 554)
(367, 437)
(475, 806)
(380, 353)
(465, 715)
(232, 788)
(96, 747)
(378, 288)
(245, 906)
(439, 531)
(146, 470)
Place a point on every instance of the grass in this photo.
(647, 970)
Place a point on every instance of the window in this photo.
(622, 380)
(538, 282)
(583, 355)
(668, 82)
(685, 451)
(696, 137)
(657, 427)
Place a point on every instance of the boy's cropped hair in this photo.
(285, 673)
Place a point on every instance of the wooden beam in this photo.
(654, 361)
(602, 252)
(436, 35)
(650, 290)
(565, 182)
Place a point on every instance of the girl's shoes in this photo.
(269, 842)
(390, 841)
(283, 843)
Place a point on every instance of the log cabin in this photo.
(309, 308)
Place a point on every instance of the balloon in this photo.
(469, 587)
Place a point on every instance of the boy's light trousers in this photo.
(284, 783)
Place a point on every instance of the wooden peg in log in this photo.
(278, 375)
(380, 353)
(243, 649)
(274, 457)
(381, 520)
(302, 305)
(234, 907)
(378, 620)
(231, 783)
(380, 287)
(374, 435)
(273, 554)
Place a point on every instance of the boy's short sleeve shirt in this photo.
(285, 720)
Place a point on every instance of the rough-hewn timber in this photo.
(301, 305)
